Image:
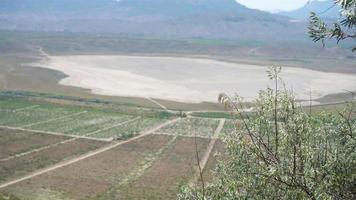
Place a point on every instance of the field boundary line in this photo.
(52, 133)
(74, 137)
(86, 156)
(54, 119)
(185, 136)
(162, 125)
(158, 104)
(114, 126)
(211, 145)
(26, 108)
(207, 118)
(37, 150)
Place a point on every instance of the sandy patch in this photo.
(186, 79)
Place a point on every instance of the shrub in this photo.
(283, 152)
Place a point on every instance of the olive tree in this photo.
(282, 151)
(341, 30)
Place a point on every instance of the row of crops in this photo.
(199, 127)
(98, 123)
(72, 120)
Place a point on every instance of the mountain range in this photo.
(215, 19)
(325, 9)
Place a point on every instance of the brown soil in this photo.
(14, 142)
(90, 177)
(162, 180)
(21, 166)
(217, 154)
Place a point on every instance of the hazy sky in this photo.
(273, 5)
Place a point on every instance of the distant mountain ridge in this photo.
(222, 19)
(326, 9)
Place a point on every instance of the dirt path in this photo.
(73, 138)
(211, 145)
(26, 108)
(85, 156)
(51, 133)
(186, 136)
(158, 104)
(37, 150)
(111, 127)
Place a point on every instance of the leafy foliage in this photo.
(302, 156)
(319, 30)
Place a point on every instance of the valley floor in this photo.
(186, 79)
(92, 151)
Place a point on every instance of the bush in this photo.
(282, 152)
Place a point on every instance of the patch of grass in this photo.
(191, 127)
(91, 119)
(6, 196)
(131, 129)
(225, 115)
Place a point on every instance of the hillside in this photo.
(218, 19)
(326, 9)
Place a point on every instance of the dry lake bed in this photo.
(186, 79)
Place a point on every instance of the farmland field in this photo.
(191, 127)
(64, 149)
(94, 176)
(162, 180)
(73, 121)
(152, 167)
(69, 149)
(130, 129)
(229, 127)
(19, 156)
(55, 150)
(15, 142)
(79, 149)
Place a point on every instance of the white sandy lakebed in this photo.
(186, 79)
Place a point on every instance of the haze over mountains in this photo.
(325, 9)
(216, 19)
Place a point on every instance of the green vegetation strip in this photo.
(55, 119)
(130, 129)
(189, 127)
